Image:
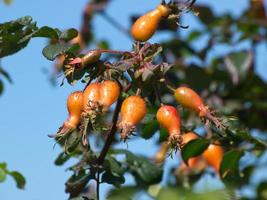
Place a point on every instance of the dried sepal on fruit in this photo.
(188, 98)
(90, 108)
(91, 97)
(169, 118)
(98, 97)
(133, 110)
(145, 26)
(74, 106)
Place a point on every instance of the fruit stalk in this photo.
(113, 130)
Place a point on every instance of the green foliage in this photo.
(227, 83)
(230, 162)
(18, 178)
(125, 193)
(149, 129)
(12, 34)
(176, 194)
(145, 172)
(8, 2)
(15, 35)
(194, 148)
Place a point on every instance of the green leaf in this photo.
(163, 135)
(78, 179)
(110, 178)
(45, 32)
(125, 193)
(3, 165)
(145, 172)
(8, 2)
(230, 162)
(72, 142)
(170, 194)
(245, 135)
(53, 50)
(262, 191)
(194, 35)
(1, 87)
(2, 174)
(174, 193)
(20, 180)
(12, 33)
(113, 172)
(194, 148)
(238, 65)
(149, 129)
(103, 44)
(5, 74)
(62, 158)
(114, 166)
(68, 34)
(206, 14)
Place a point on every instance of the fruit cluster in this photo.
(87, 107)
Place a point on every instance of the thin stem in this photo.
(157, 94)
(111, 134)
(113, 129)
(112, 51)
(170, 88)
(138, 92)
(97, 185)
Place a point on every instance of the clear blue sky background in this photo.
(31, 108)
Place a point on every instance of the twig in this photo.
(112, 51)
(111, 134)
(112, 131)
(97, 185)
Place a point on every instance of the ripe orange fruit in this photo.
(214, 155)
(74, 106)
(145, 26)
(91, 96)
(109, 93)
(133, 110)
(188, 98)
(169, 118)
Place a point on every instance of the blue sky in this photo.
(31, 108)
